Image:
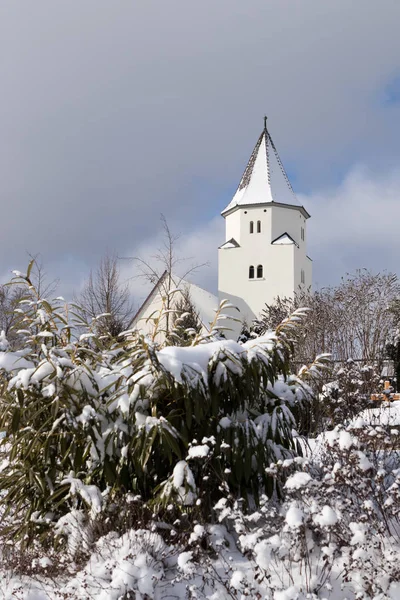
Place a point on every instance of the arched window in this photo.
(251, 272)
(251, 227)
(259, 271)
(258, 226)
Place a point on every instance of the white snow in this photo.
(365, 464)
(237, 580)
(225, 422)
(327, 517)
(294, 516)
(258, 189)
(183, 478)
(387, 414)
(185, 562)
(291, 593)
(12, 361)
(358, 531)
(228, 245)
(197, 533)
(283, 240)
(198, 451)
(197, 357)
(298, 480)
(89, 493)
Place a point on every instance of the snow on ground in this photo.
(142, 562)
(388, 413)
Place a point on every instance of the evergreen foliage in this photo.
(173, 425)
(186, 322)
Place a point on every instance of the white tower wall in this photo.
(280, 246)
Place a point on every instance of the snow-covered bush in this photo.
(349, 392)
(178, 426)
(337, 533)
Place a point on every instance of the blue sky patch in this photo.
(392, 91)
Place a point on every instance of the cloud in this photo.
(355, 225)
(112, 113)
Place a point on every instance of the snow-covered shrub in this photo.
(183, 425)
(349, 392)
(337, 533)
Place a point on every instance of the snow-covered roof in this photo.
(264, 179)
(284, 240)
(204, 302)
(232, 243)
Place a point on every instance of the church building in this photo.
(265, 252)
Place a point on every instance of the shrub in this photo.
(349, 392)
(338, 530)
(178, 426)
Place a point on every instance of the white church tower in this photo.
(265, 253)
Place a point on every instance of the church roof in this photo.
(205, 303)
(264, 180)
(232, 243)
(284, 240)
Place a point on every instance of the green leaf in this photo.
(15, 420)
(21, 397)
(148, 446)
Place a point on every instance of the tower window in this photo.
(251, 227)
(259, 271)
(258, 226)
(251, 272)
(303, 277)
(302, 234)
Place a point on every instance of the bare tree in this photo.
(44, 287)
(15, 298)
(351, 321)
(10, 319)
(104, 294)
(162, 269)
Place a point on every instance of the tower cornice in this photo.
(232, 209)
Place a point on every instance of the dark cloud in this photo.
(114, 112)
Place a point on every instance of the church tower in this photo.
(265, 253)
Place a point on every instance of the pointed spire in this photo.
(255, 184)
(267, 139)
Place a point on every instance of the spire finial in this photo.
(265, 122)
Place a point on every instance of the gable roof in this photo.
(284, 240)
(148, 298)
(205, 303)
(232, 243)
(264, 179)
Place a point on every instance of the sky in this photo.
(112, 113)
